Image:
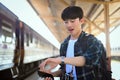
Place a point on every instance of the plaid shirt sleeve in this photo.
(93, 52)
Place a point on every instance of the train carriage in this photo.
(21, 48)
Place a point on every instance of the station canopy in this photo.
(97, 13)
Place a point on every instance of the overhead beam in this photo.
(100, 2)
(73, 2)
(94, 24)
(115, 18)
(52, 7)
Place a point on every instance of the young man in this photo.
(76, 62)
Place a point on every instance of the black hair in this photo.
(72, 12)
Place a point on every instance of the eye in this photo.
(72, 21)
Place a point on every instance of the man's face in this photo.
(73, 26)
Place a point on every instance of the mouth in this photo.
(70, 30)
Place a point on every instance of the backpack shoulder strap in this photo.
(84, 40)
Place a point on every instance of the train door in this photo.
(19, 48)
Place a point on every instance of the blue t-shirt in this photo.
(70, 53)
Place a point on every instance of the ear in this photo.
(82, 20)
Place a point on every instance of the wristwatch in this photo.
(62, 59)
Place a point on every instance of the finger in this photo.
(42, 65)
(49, 78)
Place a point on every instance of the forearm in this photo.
(76, 61)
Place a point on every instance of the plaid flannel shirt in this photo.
(92, 51)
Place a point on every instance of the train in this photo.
(21, 48)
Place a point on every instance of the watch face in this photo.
(62, 57)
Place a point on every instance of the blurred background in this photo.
(29, 27)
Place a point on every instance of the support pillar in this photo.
(107, 33)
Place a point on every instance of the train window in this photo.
(31, 38)
(6, 33)
(27, 39)
(42, 43)
(36, 41)
(7, 43)
(118, 48)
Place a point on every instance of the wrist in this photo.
(62, 60)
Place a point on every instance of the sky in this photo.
(114, 38)
(25, 13)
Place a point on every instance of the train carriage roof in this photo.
(4, 10)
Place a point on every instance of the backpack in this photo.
(106, 75)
